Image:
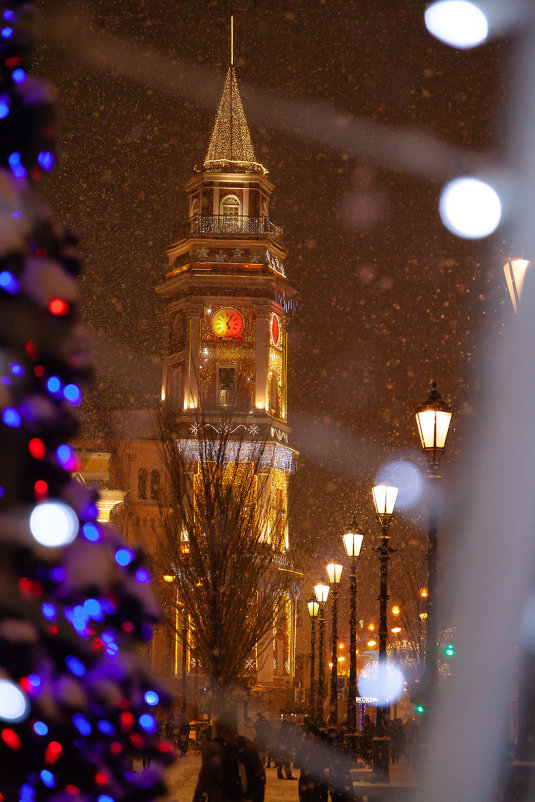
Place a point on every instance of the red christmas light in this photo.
(11, 739)
(116, 748)
(37, 448)
(39, 371)
(30, 349)
(72, 789)
(136, 740)
(40, 487)
(58, 306)
(53, 751)
(101, 778)
(127, 720)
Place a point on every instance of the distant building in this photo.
(227, 303)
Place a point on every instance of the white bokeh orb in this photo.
(14, 704)
(54, 524)
(382, 681)
(404, 475)
(459, 23)
(470, 208)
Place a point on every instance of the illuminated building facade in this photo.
(227, 304)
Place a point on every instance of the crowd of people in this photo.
(233, 765)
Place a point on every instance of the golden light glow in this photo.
(321, 591)
(169, 578)
(423, 616)
(395, 610)
(372, 643)
(395, 630)
(371, 627)
(423, 593)
(334, 572)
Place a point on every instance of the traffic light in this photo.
(449, 650)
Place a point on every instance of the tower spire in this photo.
(230, 148)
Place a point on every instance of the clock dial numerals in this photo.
(275, 329)
(227, 323)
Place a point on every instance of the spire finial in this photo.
(231, 41)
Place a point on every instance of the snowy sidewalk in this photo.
(182, 778)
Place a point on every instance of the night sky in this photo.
(388, 298)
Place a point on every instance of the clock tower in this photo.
(227, 306)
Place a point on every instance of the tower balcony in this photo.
(221, 225)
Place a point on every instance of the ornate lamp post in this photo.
(334, 572)
(313, 609)
(384, 497)
(433, 419)
(353, 544)
(321, 591)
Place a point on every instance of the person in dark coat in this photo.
(340, 764)
(311, 760)
(210, 783)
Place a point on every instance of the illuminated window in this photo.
(155, 485)
(226, 386)
(142, 483)
(230, 206)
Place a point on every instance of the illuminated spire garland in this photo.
(231, 148)
(76, 703)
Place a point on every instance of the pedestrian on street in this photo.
(231, 767)
(285, 751)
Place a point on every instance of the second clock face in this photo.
(227, 323)
(275, 329)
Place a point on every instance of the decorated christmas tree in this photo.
(77, 703)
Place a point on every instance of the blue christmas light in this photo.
(4, 106)
(34, 680)
(40, 728)
(53, 385)
(105, 798)
(72, 394)
(58, 573)
(82, 724)
(6, 33)
(17, 168)
(9, 283)
(65, 456)
(16, 369)
(18, 75)
(8, 14)
(47, 778)
(105, 727)
(124, 556)
(11, 417)
(152, 698)
(49, 611)
(75, 665)
(6, 381)
(147, 722)
(46, 160)
(143, 576)
(27, 793)
(93, 609)
(90, 532)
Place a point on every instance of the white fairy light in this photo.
(14, 705)
(54, 524)
(470, 208)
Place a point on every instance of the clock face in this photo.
(227, 323)
(275, 329)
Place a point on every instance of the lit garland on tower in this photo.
(76, 702)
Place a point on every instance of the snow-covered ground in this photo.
(182, 778)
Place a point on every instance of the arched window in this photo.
(230, 206)
(155, 485)
(142, 483)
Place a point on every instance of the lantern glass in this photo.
(353, 543)
(334, 572)
(384, 497)
(313, 608)
(321, 591)
(515, 273)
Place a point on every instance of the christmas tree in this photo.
(77, 703)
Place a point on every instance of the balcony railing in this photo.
(222, 225)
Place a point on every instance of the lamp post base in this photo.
(381, 758)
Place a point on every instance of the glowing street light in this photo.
(313, 610)
(515, 273)
(322, 592)
(352, 544)
(334, 572)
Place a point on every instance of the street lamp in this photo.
(384, 498)
(313, 609)
(321, 591)
(353, 544)
(433, 419)
(334, 572)
(515, 273)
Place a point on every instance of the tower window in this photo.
(142, 483)
(230, 206)
(226, 386)
(155, 485)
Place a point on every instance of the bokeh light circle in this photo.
(458, 23)
(382, 681)
(14, 704)
(54, 524)
(470, 208)
(404, 475)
